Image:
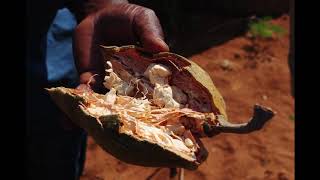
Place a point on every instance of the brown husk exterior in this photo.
(201, 78)
(124, 147)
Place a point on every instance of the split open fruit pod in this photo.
(157, 109)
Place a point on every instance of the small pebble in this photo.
(226, 65)
(264, 97)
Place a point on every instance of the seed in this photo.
(188, 142)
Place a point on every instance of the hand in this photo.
(116, 24)
(84, 87)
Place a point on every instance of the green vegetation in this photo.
(264, 28)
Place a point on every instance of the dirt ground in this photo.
(243, 79)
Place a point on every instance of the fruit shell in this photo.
(201, 77)
(105, 132)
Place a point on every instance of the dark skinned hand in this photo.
(116, 24)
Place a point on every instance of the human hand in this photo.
(116, 24)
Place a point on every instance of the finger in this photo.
(84, 87)
(87, 54)
(148, 29)
(82, 42)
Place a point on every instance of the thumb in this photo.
(148, 29)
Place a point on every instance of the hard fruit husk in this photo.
(189, 68)
(134, 150)
(104, 131)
